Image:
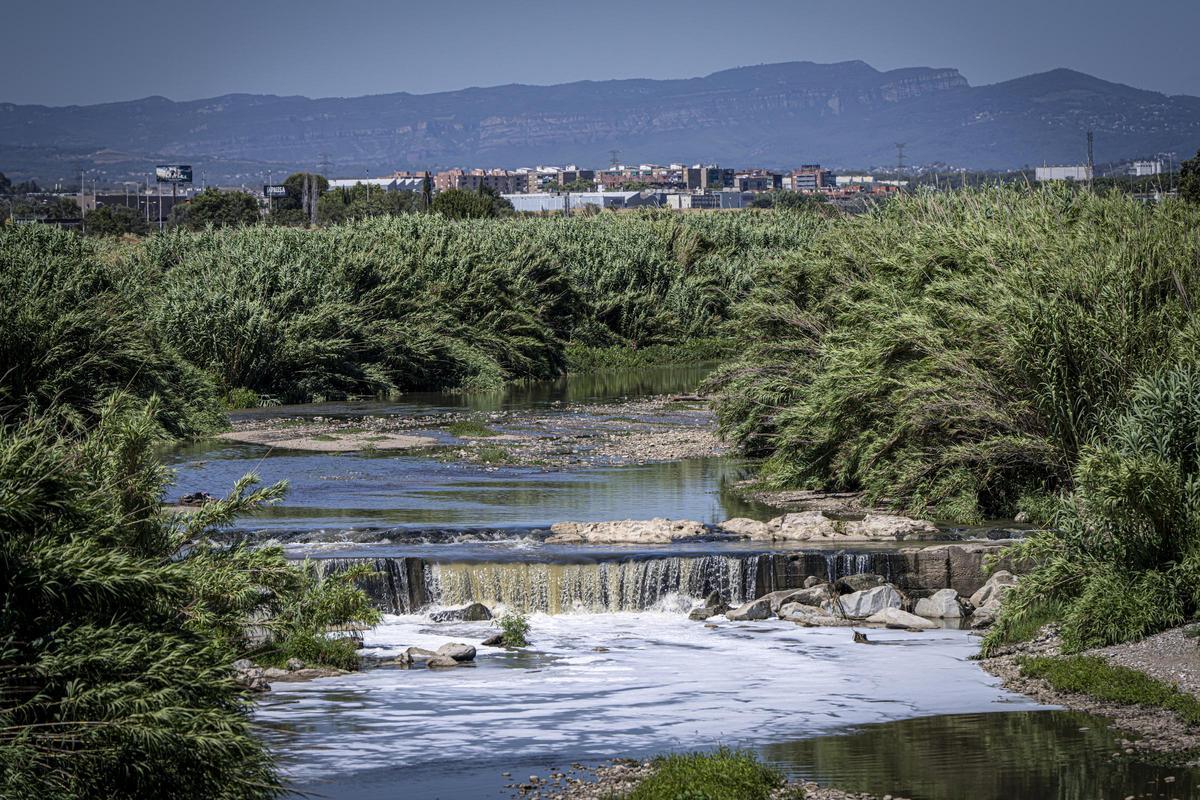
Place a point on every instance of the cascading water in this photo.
(594, 587)
(407, 584)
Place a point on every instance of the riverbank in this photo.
(1171, 658)
(621, 776)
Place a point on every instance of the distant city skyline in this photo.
(84, 53)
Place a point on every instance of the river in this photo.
(615, 667)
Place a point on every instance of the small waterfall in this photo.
(405, 585)
(594, 587)
(397, 587)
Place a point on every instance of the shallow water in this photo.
(910, 715)
(665, 683)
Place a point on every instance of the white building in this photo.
(1063, 173)
(391, 184)
(1141, 169)
(853, 180)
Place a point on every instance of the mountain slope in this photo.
(779, 115)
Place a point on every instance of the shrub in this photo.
(723, 775)
(514, 627)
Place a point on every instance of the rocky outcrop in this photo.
(859, 605)
(746, 528)
(628, 531)
(250, 676)
(896, 618)
(807, 526)
(754, 610)
(471, 612)
(942, 604)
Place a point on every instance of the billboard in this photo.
(278, 190)
(173, 173)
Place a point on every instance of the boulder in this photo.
(748, 528)
(814, 596)
(858, 605)
(457, 651)
(942, 604)
(417, 654)
(890, 526)
(628, 531)
(275, 673)
(810, 616)
(471, 612)
(811, 581)
(294, 664)
(707, 612)
(755, 609)
(895, 618)
(856, 583)
(496, 640)
(985, 615)
(998, 585)
(441, 661)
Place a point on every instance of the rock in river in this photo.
(755, 609)
(818, 525)
(895, 618)
(472, 612)
(810, 616)
(628, 531)
(942, 604)
(457, 651)
(865, 603)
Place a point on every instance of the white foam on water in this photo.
(664, 683)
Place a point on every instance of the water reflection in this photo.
(1032, 755)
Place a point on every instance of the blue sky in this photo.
(83, 51)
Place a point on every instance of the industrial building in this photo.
(1081, 172)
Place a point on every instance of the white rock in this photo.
(895, 618)
(810, 525)
(865, 603)
(942, 604)
(750, 528)
(628, 531)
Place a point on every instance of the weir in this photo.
(404, 585)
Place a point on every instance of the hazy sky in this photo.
(83, 51)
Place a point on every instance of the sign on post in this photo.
(173, 173)
(278, 190)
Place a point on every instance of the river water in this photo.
(615, 667)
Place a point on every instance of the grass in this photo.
(470, 428)
(491, 454)
(723, 775)
(1098, 679)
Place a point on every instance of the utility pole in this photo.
(614, 157)
(900, 157)
(1091, 162)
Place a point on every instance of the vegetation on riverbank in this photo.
(267, 315)
(119, 625)
(722, 775)
(976, 354)
(1101, 680)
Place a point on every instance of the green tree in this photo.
(107, 688)
(462, 204)
(360, 202)
(1189, 179)
(218, 209)
(6, 186)
(114, 221)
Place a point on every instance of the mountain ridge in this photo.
(844, 114)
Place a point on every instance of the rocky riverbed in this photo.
(562, 436)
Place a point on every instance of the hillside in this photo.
(777, 115)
